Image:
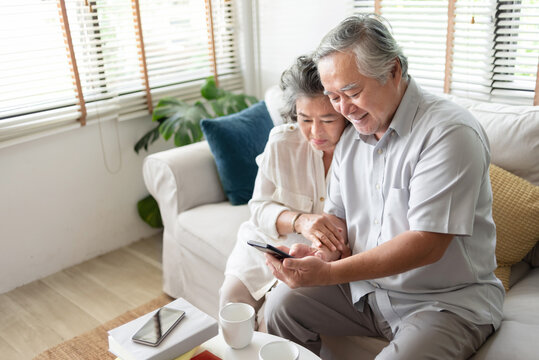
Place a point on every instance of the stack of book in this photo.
(195, 328)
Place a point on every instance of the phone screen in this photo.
(158, 326)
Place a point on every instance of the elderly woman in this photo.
(290, 188)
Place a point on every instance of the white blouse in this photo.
(290, 177)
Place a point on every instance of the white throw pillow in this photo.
(274, 103)
(513, 132)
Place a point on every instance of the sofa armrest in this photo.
(182, 178)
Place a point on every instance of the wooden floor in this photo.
(49, 311)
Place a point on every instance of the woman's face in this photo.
(319, 122)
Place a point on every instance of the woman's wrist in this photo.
(294, 223)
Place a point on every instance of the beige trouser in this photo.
(233, 290)
(303, 314)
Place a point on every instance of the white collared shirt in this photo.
(429, 172)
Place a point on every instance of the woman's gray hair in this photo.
(372, 43)
(299, 80)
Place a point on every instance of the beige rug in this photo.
(94, 344)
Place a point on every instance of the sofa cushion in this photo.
(513, 133)
(515, 210)
(274, 102)
(522, 302)
(513, 340)
(213, 229)
(235, 141)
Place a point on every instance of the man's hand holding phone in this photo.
(296, 272)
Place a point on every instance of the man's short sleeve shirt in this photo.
(429, 172)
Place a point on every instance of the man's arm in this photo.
(407, 251)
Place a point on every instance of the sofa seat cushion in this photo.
(522, 302)
(513, 340)
(212, 229)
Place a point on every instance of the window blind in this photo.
(127, 55)
(420, 28)
(37, 89)
(482, 49)
(516, 50)
(473, 53)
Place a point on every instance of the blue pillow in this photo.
(235, 141)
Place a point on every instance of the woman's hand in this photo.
(327, 255)
(302, 250)
(323, 230)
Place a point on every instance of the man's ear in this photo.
(396, 71)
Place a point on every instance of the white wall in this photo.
(287, 29)
(59, 205)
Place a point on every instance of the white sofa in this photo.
(200, 228)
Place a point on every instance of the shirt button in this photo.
(322, 198)
(376, 222)
(377, 186)
(380, 151)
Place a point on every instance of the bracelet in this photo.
(294, 222)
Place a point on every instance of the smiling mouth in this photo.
(360, 118)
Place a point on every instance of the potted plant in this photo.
(182, 120)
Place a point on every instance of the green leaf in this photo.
(194, 115)
(169, 101)
(168, 127)
(203, 110)
(167, 107)
(210, 90)
(217, 107)
(182, 136)
(252, 100)
(148, 210)
(163, 112)
(147, 139)
(196, 132)
(240, 102)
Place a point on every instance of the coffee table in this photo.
(218, 346)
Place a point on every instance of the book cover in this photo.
(206, 355)
(193, 330)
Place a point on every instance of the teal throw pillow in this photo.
(235, 141)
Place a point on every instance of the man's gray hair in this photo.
(372, 43)
(300, 80)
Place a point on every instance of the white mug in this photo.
(237, 324)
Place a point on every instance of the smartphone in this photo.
(267, 248)
(158, 326)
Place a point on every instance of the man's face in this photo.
(364, 101)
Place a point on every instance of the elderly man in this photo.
(411, 181)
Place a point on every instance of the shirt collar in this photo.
(404, 116)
